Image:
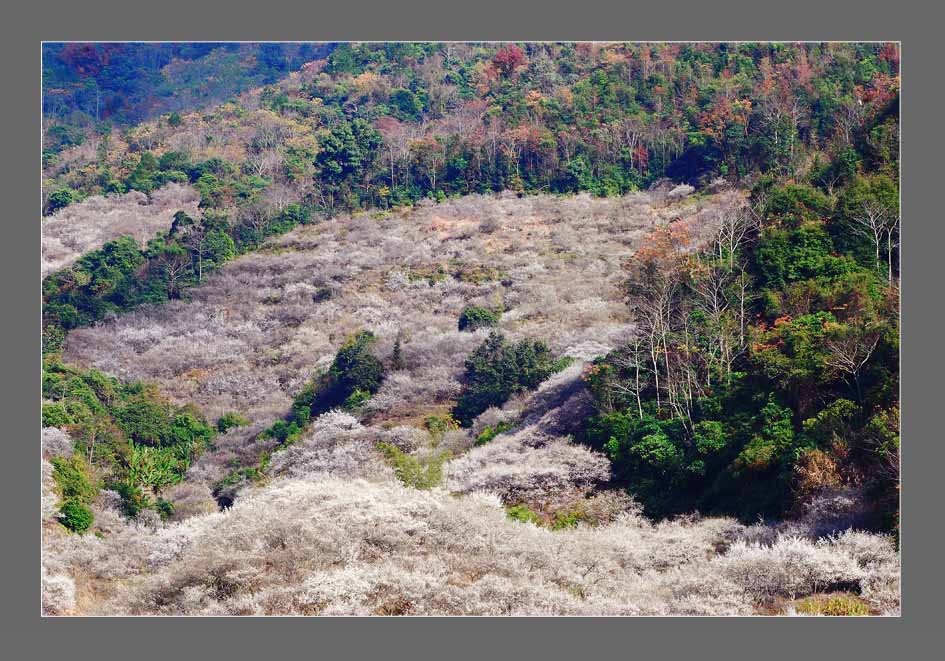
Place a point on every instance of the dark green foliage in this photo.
(134, 439)
(355, 367)
(397, 355)
(497, 370)
(475, 317)
(58, 199)
(346, 153)
(164, 508)
(145, 176)
(405, 104)
(785, 256)
(102, 281)
(133, 498)
(75, 515)
(795, 204)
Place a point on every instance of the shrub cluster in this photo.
(76, 486)
(353, 377)
(496, 370)
(120, 276)
(474, 317)
(127, 433)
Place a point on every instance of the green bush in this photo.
(474, 317)
(228, 421)
(357, 399)
(75, 515)
(55, 415)
(164, 508)
(496, 370)
(438, 425)
(355, 367)
(490, 433)
(795, 204)
(74, 479)
(145, 421)
(785, 256)
(59, 199)
(133, 499)
(353, 377)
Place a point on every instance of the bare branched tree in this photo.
(632, 359)
(848, 352)
(878, 223)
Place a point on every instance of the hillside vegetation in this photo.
(483, 329)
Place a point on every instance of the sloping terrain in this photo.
(331, 530)
(747, 341)
(88, 225)
(249, 338)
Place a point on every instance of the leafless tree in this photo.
(632, 359)
(736, 224)
(879, 224)
(712, 285)
(848, 352)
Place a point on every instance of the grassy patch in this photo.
(415, 472)
(841, 605)
(523, 513)
(490, 433)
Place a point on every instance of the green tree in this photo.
(497, 370)
(58, 199)
(144, 177)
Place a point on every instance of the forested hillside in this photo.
(641, 298)
(92, 87)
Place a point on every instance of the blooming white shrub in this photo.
(527, 465)
(56, 442)
(49, 499)
(58, 596)
(331, 531)
(334, 545)
(87, 225)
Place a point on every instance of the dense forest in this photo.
(745, 365)
(95, 86)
